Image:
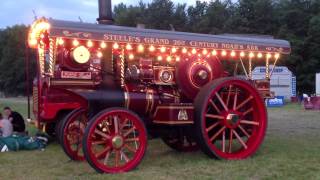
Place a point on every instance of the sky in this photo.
(21, 11)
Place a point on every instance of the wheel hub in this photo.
(117, 142)
(232, 119)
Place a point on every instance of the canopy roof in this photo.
(120, 34)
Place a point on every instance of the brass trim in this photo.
(172, 122)
(171, 107)
(72, 82)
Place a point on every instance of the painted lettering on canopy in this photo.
(122, 38)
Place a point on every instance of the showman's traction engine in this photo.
(104, 90)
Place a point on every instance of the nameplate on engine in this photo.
(75, 75)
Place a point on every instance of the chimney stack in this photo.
(105, 12)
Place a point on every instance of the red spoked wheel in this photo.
(72, 130)
(115, 141)
(231, 119)
(181, 143)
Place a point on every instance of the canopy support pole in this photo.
(244, 69)
(274, 65)
(267, 69)
(250, 68)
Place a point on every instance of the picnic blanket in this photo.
(22, 142)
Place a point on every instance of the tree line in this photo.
(297, 21)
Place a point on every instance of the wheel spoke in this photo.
(123, 124)
(98, 156)
(244, 102)
(105, 161)
(214, 116)
(212, 126)
(244, 131)
(131, 139)
(248, 111)
(124, 156)
(129, 131)
(130, 148)
(230, 142)
(217, 134)
(116, 124)
(98, 142)
(249, 122)
(221, 101)
(224, 141)
(102, 134)
(215, 106)
(229, 93)
(117, 158)
(235, 99)
(240, 140)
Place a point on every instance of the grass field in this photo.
(291, 151)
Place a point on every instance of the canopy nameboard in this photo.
(120, 34)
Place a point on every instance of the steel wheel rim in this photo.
(113, 158)
(73, 134)
(219, 126)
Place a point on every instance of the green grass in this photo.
(290, 151)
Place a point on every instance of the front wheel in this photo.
(115, 141)
(230, 119)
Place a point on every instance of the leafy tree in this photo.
(129, 16)
(12, 63)
(197, 21)
(159, 14)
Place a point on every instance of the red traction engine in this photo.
(125, 85)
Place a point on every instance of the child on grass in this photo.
(6, 128)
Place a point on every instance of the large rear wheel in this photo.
(230, 119)
(115, 141)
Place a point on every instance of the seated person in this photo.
(5, 127)
(16, 119)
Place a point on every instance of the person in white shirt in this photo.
(6, 128)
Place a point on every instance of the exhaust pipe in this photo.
(105, 12)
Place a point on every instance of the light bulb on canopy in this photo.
(99, 54)
(268, 56)
(184, 50)
(152, 48)
(251, 55)
(205, 52)
(169, 58)
(103, 45)
(89, 44)
(129, 47)
(75, 42)
(233, 54)
(115, 46)
(60, 41)
(131, 56)
(162, 49)
(214, 53)
(242, 54)
(224, 53)
(140, 48)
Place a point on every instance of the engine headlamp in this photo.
(81, 54)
